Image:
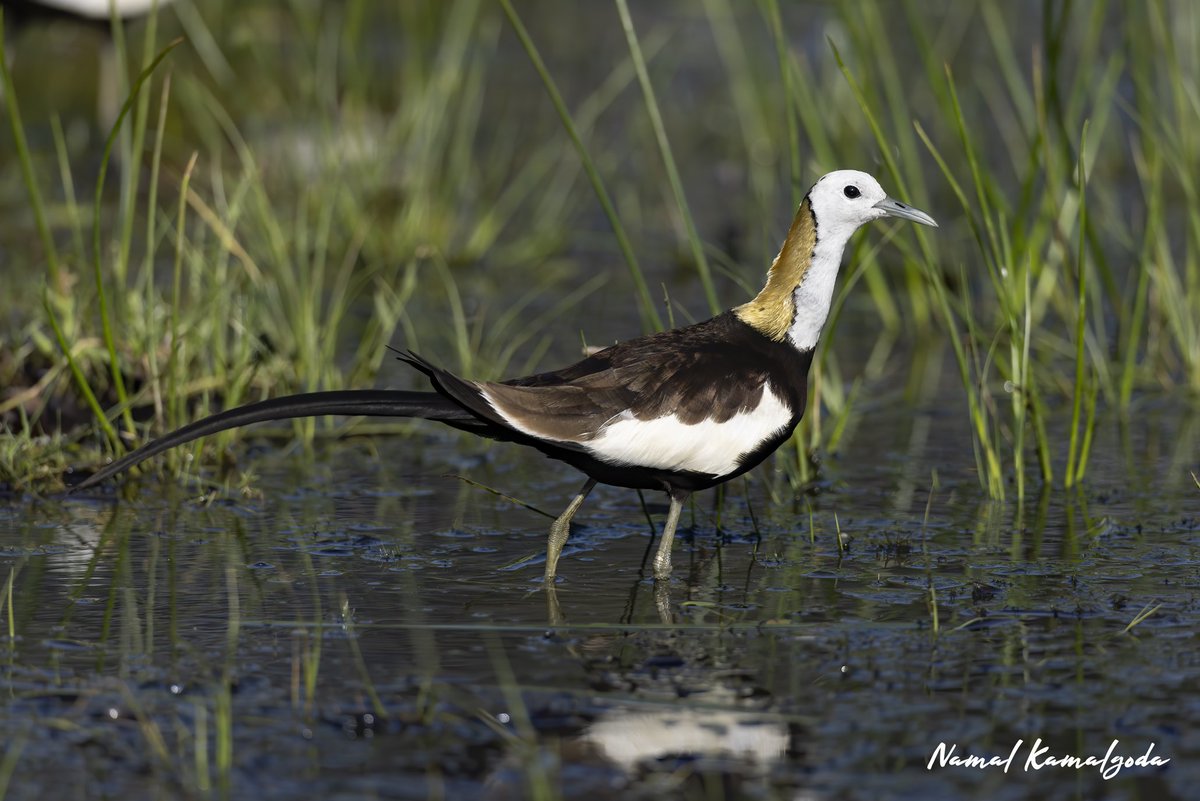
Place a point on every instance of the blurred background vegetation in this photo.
(296, 185)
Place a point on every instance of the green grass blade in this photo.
(80, 380)
(664, 147)
(1073, 448)
(26, 161)
(105, 317)
(646, 307)
(783, 55)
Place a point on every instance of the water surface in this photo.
(365, 624)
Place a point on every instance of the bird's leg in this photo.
(554, 612)
(662, 602)
(662, 559)
(560, 529)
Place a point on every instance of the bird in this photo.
(680, 410)
(87, 10)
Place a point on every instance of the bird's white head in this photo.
(796, 299)
(846, 199)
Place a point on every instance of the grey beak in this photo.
(894, 208)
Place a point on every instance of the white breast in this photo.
(705, 447)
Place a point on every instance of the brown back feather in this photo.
(696, 373)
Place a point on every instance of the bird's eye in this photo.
(852, 191)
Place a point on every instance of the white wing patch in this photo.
(705, 447)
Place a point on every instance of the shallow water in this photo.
(367, 625)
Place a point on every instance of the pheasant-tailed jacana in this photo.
(679, 411)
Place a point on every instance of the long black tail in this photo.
(355, 402)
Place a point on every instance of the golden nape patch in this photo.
(772, 310)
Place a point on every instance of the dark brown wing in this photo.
(696, 373)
